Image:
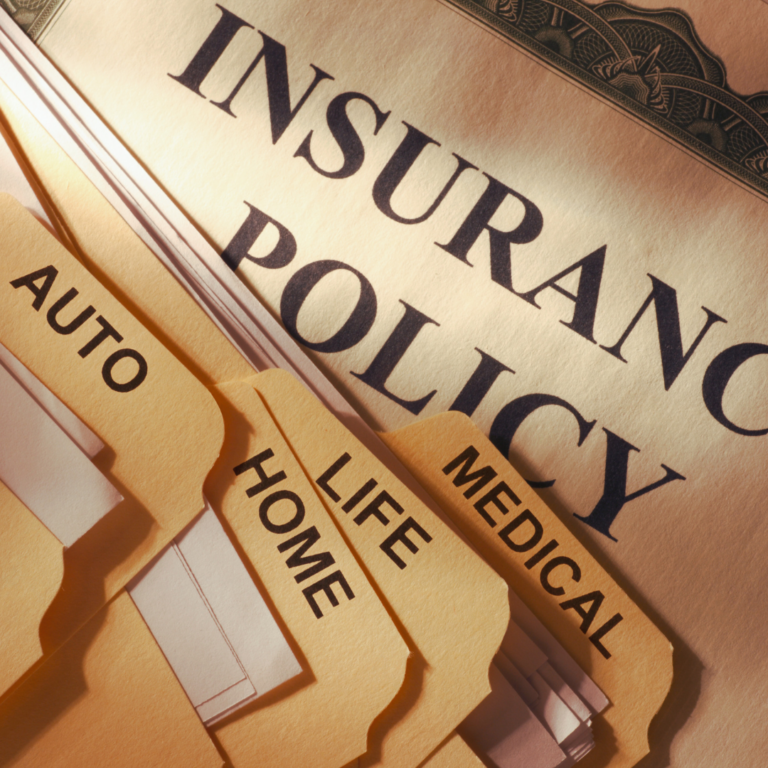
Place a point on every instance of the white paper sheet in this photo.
(522, 651)
(565, 692)
(573, 736)
(576, 678)
(183, 624)
(515, 678)
(46, 469)
(527, 670)
(211, 622)
(87, 440)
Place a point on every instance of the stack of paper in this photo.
(549, 723)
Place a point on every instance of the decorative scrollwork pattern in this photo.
(650, 63)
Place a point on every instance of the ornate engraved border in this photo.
(651, 64)
(33, 16)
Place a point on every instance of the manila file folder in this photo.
(353, 658)
(174, 317)
(556, 575)
(108, 696)
(95, 357)
(219, 362)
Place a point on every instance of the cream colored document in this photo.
(590, 287)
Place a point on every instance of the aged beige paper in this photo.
(734, 30)
(651, 431)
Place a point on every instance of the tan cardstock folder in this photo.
(331, 683)
(353, 656)
(32, 567)
(453, 753)
(105, 698)
(448, 677)
(161, 427)
(543, 561)
(451, 606)
(109, 697)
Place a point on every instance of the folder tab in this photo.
(555, 574)
(451, 605)
(161, 427)
(352, 655)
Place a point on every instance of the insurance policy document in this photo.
(571, 251)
